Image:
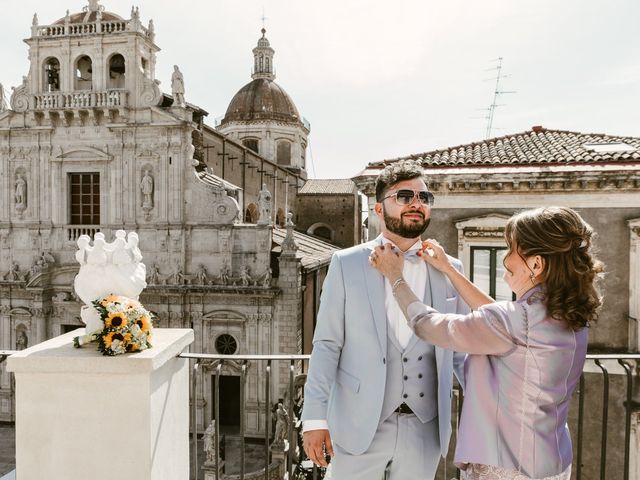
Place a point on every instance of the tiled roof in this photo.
(333, 186)
(313, 253)
(538, 146)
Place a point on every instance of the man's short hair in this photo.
(397, 172)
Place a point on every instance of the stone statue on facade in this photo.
(266, 280)
(201, 276)
(245, 278)
(209, 442)
(3, 101)
(22, 341)
(264, 206)
(146, 187)
(282, 426)
(21, 192)
(224, 275)
(101, 275)
(154, 275)
(177, 87)
(13, 275)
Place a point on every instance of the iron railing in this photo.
(267, 361)
(265, 364)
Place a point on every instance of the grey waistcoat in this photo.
(411, 378)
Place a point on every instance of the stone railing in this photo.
(77, 29)
(85, 99)
(73, 232)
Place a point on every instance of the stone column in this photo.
(83, 415)
(634, 285)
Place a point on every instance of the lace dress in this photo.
(476, 471)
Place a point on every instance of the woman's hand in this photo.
(434, 255)
(387, 261)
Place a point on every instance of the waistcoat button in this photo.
(405, 395)
(421, 394)
(419, 375)
(405, 359)
(406, 378)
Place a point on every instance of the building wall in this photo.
(341, 213)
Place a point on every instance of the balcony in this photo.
(90, 28)
(114, 98)
(603, 420)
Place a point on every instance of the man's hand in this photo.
(313, 442)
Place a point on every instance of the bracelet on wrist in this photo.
(396, 284)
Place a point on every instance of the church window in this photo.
(261, 62)
(267, 62)
(84, 198)
(226, 344)
(251, 144)
(84, 73)
(284, 152)
(116, 72)
(51, 75)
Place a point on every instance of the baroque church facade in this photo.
(90, 143)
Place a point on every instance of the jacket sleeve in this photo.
(328, 340)
(461, 308)
(480, 332)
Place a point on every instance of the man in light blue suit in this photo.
(377, 398)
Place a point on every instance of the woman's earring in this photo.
(532, 276)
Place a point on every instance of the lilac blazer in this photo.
(522, 369)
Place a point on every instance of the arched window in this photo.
(251, 215)
(284, 152)
(51, 75)
(84, 73)
(322, 230)
(116, 76)
(251, 144)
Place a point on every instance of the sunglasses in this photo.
(406, 196)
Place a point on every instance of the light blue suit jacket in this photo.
(347, 371)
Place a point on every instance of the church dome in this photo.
(262, 99)
(90, 17)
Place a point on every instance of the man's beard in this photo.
(399, 227)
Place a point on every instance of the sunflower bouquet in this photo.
(127, 326)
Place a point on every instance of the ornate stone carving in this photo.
(151, 95)
(483, 233)
(22, 340)
(13, 275)
(225, 208)
(264, 206)
(20, 193)
(20, 97)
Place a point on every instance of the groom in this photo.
(378, 398)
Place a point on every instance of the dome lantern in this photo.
(263, 59)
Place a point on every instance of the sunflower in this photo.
(111, 298)
(111, 337)
(144, 322)
(116, 320)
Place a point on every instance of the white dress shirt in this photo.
(415, 274)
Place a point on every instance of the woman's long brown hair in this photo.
(564, 241)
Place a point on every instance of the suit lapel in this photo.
(439, 301)
(374, 282)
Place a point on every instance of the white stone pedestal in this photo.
(82, 415)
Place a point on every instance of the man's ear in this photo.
(377, 208)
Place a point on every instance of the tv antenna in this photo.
(496, 93)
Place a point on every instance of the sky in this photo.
(380, 80)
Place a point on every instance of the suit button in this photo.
(405, 359)
(384, 360)
(419, 375)
(405, 377)
(420, 357)
(405, 395)
(421, 394)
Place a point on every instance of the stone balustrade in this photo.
(85, 99)
(77, 29)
